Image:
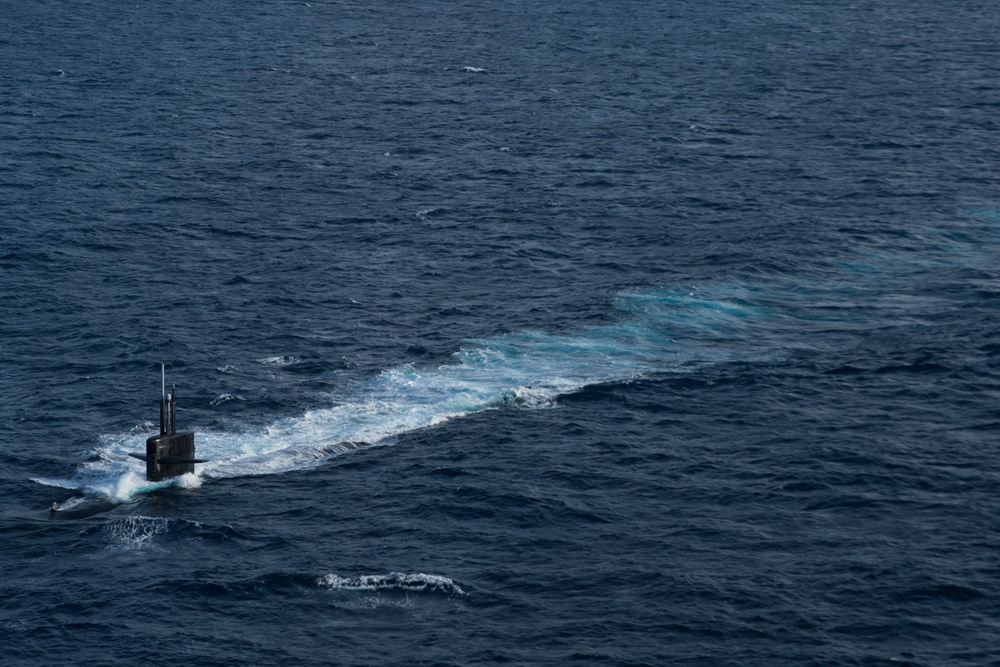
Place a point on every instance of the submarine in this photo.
(169, 454)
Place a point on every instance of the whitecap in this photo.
(225, 398)
(282, 360)
(393, 581)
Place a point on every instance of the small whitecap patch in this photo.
(427, 213)
(142, 428)
(394, 581)
(16, 625)
(473, 69)
(283, 360)
(225, 398)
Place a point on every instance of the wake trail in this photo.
(671, 330)
(660, 332)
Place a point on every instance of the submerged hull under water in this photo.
(82, 507)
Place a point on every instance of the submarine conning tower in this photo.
(169, 454)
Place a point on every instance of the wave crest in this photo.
(394, 581)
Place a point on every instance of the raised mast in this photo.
(169, 454)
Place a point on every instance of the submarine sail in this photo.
(169, 454)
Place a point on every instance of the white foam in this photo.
(135, 533)
(424, 583)
(225, 398)
(125, 485)
(283, 360)
(58, 483)
(75, 501)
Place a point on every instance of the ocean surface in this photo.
(562, 333)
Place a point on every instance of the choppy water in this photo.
(584, 333)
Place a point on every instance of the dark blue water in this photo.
(625, 333)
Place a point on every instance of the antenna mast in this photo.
(163, 398)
